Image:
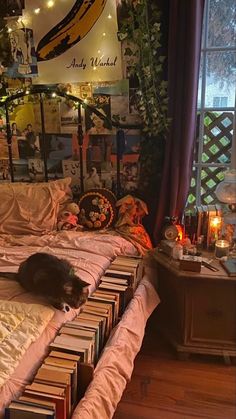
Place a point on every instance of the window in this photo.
(219, 102)
(216, 101)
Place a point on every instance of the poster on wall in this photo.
(23, 54)
(77, 40)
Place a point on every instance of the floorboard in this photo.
(163, 387)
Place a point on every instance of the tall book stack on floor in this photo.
(63, 377)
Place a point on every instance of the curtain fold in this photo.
(184, 48)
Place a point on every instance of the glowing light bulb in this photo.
(9, 30)
(54, 94)
(99, 51)
(50, 3)
(37, 11)
(109, 16)
(27, 92)
(104, 34)
(94, 68)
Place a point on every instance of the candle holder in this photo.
(214, 230)
(221, 249)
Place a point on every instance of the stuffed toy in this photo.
(67, 219)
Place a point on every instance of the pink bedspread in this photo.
(91, 254)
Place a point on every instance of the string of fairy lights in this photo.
(30, 12)
(25, 21)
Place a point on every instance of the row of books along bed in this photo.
(62, 379)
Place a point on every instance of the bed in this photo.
(28, 220)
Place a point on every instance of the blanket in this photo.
(20, 325)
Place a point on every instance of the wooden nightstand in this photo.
(197, 312)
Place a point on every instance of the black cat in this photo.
(53, 278)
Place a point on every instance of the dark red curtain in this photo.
(184, 45)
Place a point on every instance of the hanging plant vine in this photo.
(141, 30)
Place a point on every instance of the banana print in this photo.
(77, 23)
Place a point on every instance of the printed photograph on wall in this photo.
(94, 124)
(133, 109)
(28, 142)
(69, 117)
(132, 144)
(20, 169)
(23, 54)
(36, 170)
(51, 116)
(4, 147)
(130, 176)
(71, 168)
(57, 146)
(4, 169)
(14, 7)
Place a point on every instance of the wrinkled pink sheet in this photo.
(90, 253)
(115, 366)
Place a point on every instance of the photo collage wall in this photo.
(116, 100)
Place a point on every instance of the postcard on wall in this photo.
(23, 54)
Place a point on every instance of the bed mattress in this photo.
(90, 254)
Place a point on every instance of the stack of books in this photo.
(66, 372)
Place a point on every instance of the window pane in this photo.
(210, 177)
(217, 139)
(221, 23)
(220, 78)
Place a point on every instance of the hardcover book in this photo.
(230, 266)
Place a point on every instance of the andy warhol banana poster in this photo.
(75, 40)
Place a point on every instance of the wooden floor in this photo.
(163, 387)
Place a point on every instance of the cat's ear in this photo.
(82, 283)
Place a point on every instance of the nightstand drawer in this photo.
(211, 312)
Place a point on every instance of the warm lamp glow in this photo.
(215, 228)
(215, 222)
(180, 231)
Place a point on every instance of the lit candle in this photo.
(221, 248)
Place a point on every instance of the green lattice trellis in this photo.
(217, 140)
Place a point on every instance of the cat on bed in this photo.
(53, 278)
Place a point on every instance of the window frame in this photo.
(202, 109)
